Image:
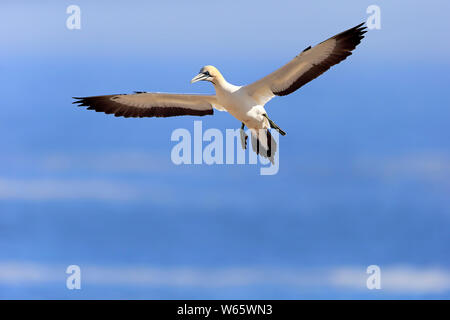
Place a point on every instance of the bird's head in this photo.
(207, 73)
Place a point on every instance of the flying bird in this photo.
(245, 103)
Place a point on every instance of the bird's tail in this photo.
(264, 144)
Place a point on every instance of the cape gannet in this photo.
(245, 103)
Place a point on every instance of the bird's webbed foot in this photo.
(273, 125)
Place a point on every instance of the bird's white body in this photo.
(242, 106)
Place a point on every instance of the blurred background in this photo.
(364, 172)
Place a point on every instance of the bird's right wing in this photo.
(308, 65)
(145, 104)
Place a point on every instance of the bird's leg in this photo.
(243, 137)
(274, 126)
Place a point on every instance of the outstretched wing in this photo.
(144, 104)
(308, 65)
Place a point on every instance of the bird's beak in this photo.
(199, 77)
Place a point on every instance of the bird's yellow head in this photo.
(207, 73)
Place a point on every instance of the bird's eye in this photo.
(206, 73)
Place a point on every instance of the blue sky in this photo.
(364, 167)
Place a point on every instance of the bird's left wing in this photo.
(145, 104)
(308, 65)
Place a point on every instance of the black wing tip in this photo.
(361, 29)
(80, 101)
(352, 37)
(86, 101)
(358, 29)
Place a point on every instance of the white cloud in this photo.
(399, 279)
(129, 162)
(45, 189)
(433, 166)
(26, 273)
(396, 279)
(109, 162)
(149, 191)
